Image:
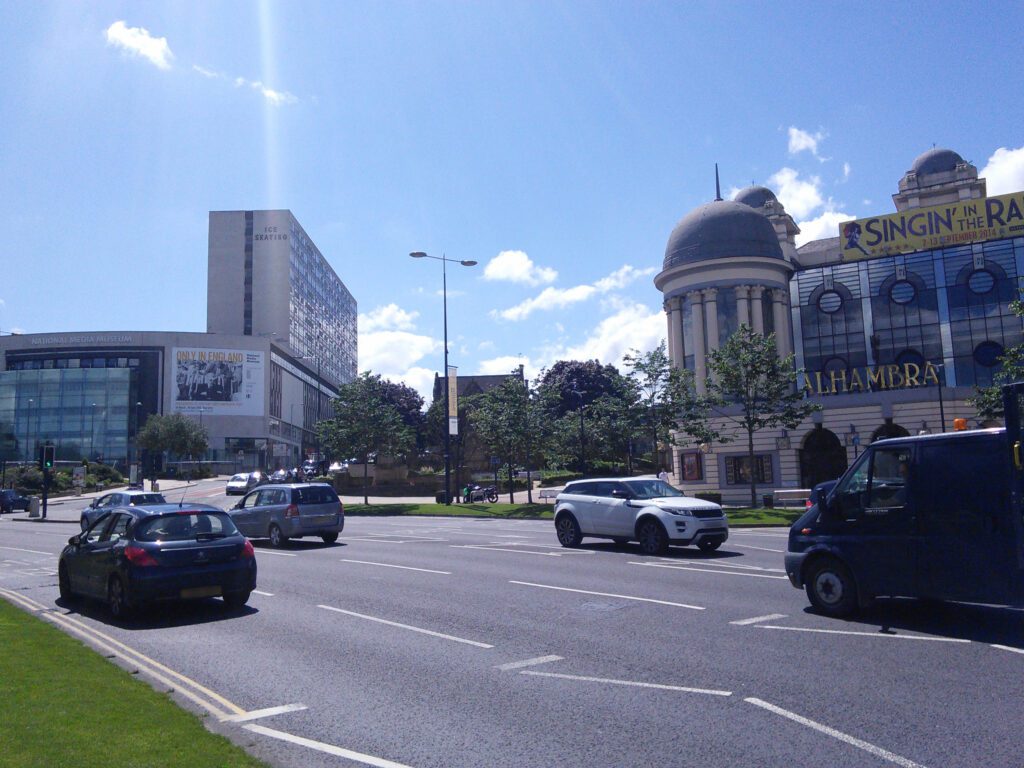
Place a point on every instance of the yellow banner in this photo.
(938, 226)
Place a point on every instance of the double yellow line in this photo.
(202, 696)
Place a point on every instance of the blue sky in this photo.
(555, 143)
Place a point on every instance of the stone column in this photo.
(743, 304)
(755, 308)
(700, 370)
(780, 315)
(711, 316)
(676, 351)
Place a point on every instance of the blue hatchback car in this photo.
(131, 556)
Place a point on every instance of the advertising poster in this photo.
(217, 382)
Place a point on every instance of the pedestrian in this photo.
(663, 475)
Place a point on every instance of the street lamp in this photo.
(444, 299)
(942, 409)
(28, 443)
(583, 460)
(92, 432)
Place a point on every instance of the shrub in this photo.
(559, 478)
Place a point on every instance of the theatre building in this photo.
(895, 320)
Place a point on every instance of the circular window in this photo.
(987, 353)
(903, 292)
(830, 302)
(981, 281)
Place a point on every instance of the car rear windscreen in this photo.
(142, 499)
(316, 494)
(182, 526)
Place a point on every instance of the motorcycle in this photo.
(476, 493)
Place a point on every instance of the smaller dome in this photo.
(936, 160)
(755, 196)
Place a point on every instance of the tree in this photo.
(989, 400)
(409, 405)
(664, 400)
(173, 433)
(559, 383)
(747, 374)
(502, 419)
(366, 423)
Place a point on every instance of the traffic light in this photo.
(48, 453)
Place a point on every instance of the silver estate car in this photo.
(290, 511)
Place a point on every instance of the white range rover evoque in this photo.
(642, 509)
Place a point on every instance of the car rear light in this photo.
(292, 511)
(341, 508)
(806, 531)
(140, 557)
(808, 504)
(247, 550)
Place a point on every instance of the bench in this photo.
(790, 497)
(548, 494)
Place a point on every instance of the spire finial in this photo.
(718, 187)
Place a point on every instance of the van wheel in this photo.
(329, 538)
(568, 531)
(653, 539)
(831, 589)
(277, 539)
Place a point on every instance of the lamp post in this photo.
(444, 303)
(942, 409)
(92, 432)
(138, 453)
(583, 458)
(29, 441)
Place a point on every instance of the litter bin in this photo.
(439, 497)
(769, 500)
(34, 505)
(154, 485)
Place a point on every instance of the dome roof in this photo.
(936, 160)
(721, 229)
(755, 196)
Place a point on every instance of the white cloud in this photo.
(559, 298)
(420, 379)
(506, 364)
(208, 73)
(799, 197)
(635, 326)
(486, 346)
(277, 98)
(137, 41)
(1004, 171)
(846, 171)
(390, 318)
(393, 352)
(802, 141)
(517, 267)
(825, 225)
(549, 298)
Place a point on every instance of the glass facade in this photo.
(322, 311)
(948, 306)
(84, 412)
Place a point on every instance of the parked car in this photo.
(117, 499)
(11, 500)
(643, 509)
(282, 512)
(131, 556)
(240, 483)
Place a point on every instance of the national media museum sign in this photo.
(938, 226)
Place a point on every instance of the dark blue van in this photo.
(934, 516)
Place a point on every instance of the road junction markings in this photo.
(609, 594)
(507, 547)
(409, 627)
(390, 565)
(706, 569)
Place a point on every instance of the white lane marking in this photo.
(497, 548)
(257, 714)
(30, 551)
(389, 541)
(265, 594)
(762, 549)
(608, 594)
(772, 534)
(403, 567)
(1007, 648)
(632, 683)
(703, 570)
(263, 551)
(406, 626)
(330, 749)
(866, 634)
(757, 619)
(853, 741)
(528, 662)
(715, 564)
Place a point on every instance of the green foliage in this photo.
(507, 421)
(366, 423)
(173, 433)
(755, 389)
(558, 385)
(559, 478)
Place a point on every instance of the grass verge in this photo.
(62, 704)
(755, 518)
